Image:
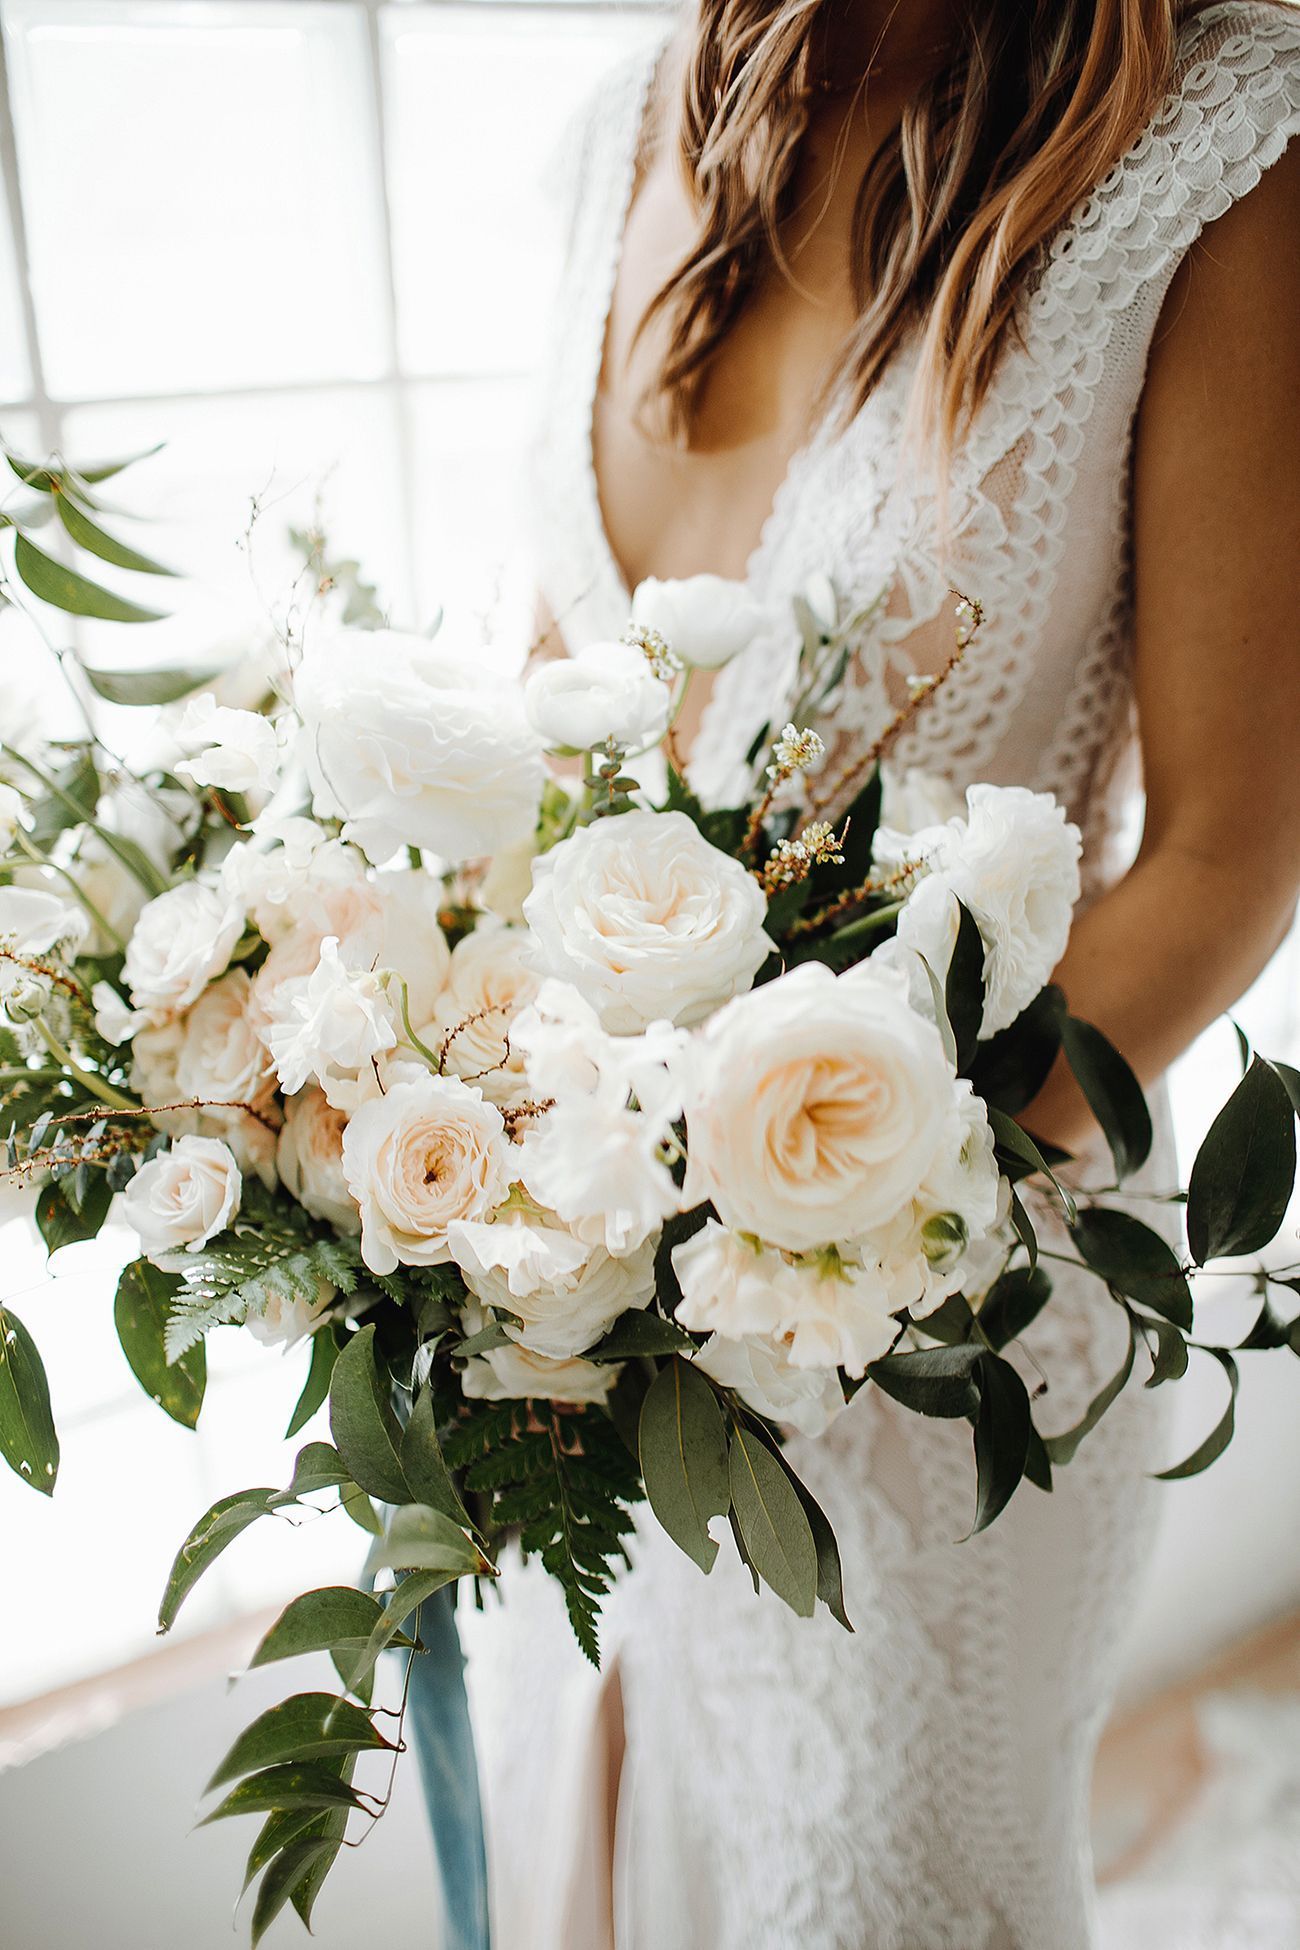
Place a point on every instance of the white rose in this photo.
(327, 1024)
(759, 1369)
(220, 1062)
(514, 1373)
(182, 939)
(816, 1106)
(489, 980)
(310, 1159)
(1014, 862)
(236, 751)
(305, 883)
(411, 744)
(183, 1197)
(428, 1152)
(647, 920)
(566, 1294)
(283, 1323)
(606, 692)
(705, 619)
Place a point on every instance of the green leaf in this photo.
(425, 1467)
(72, 799)
(362, 1421)
(1016, 1143)
(285, 1872)
(1011, 1068)
(290, 1785)
(281, 1827)
(28, 1442)
(830, 1572)
(75, 594)
(963, 988)
(88, 535)
(146, 687)
(1134, 1260)
(103, 470)
(316, 1467)
(308, 1726)
(1113, 1092)
(1013, 1303)
(405, 1599)
(482, 1342)
(219, 1526)
(319, 1621)
(1038, 1464)
(1290, 1083)
(418, 1538)
(683, 1447)
(61, 1223)
(324, 1353)
(1220, 1435)
(140, 1314)
(1002, 1431)
(1062, 1448)
(1244, 1172)
(951, 1322)
(938, 1381)
(1024, 1227)
(1169, 1362)
(641, 1332)
(773, 1522)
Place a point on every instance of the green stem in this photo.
(139, 868)
(89, 1081)
(868, 925)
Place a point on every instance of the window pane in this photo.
(477, 99)
(15, 374)
(201, 191)
(468, 438)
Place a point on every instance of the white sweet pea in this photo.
(183, 1197)
(329, 1023)
(310, 1159)
(816, 1106)
(607, 692)
(426, 1153)
(410, 743)
(760, 1371)
(115, 1020)
(236, 751)
(705, 619)
(1014, 862)
(182, 940)
(647, 920)
(283, 1323)
(565, 1293)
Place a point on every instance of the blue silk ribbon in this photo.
(437, 1717)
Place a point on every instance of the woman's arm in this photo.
(1217, 588)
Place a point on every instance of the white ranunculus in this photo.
(647, 920)
(1014, 861)
(489, 981)
(411, 744)
(310, 1159)
(327, 1024)
(183, 1197)
(760, 1371)
(221, 1061)
(705, 619)
(283, 1323)
(816, 1106)
(428, 1152)
(182, 941)
(514, 1373)
(236, 751)
(11, 816)
(606, 692)
(567, 1294)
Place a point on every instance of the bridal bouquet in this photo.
(591, 1137)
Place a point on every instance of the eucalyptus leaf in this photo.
(61, 1222)
(1134, 1260)
(28, 1441)
(830, 1572)
(1024, 1227)
(773, 1522)
(141, 1311)
(1011, 1068)
(362, 1421)
(1169, 1362)
(418, 1538)
(308, 1726)
(1113, 1092)
(218, 1527)
(103, 470)
(963, 988)
(75, 594)
(1017, 1143)
(1220, 1435)
(1038, 1464)
(683, 1448)
(1244, 1173)
(1062, 1448)
(640, 1332)
(146, 687)
(316, 1467)
(90, 536)
(282, 1826)
(284, 1873)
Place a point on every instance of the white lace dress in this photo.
(923, 1784)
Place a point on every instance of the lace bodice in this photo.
(1039, 506)
(923, 1784)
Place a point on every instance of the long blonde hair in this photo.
(1036, 103)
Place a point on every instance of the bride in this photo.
(824, 255)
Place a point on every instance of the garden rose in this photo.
(428, 1152)
(413, 744)
(566, 1294)
(816, 1106)
(182, 940)
(705, 619)
(647, 920)
(310, 1158)
(220, 1060)
(489, 980)
(606, 691)
(183, 1197)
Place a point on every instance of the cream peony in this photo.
(565, 1294)
(426, 1153)
(705, 619)
(760, 1371)
(183, 1197)
(647, 920)
(182, 941)
(310, 1159)
(489, 980)
(816, 1107)
(607, 692)
(414, 744)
